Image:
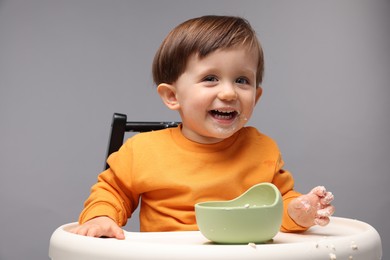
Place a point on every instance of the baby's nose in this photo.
(227, 92)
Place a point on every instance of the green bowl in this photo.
(253, 217)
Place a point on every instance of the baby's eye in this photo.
(210, 78)
(242, 80)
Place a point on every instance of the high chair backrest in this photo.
(120, 126)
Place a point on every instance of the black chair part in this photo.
(120, 126)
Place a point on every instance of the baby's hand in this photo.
(99, 227)
(313, 208)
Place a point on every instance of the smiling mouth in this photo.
(224, 115)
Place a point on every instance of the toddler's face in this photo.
(217, 94)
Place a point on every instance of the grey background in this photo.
(66, 66)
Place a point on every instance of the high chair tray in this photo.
(342, 239)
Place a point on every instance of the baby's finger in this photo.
(320, 191)
(119, 234)
(325, 212)
(94, 232)
(78, 231)
(327, 199)
(322, 221)
(73, 230)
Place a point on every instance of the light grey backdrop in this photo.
(66, 66)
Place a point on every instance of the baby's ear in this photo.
(167, 93)
(259, 91)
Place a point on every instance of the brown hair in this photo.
(202, 36)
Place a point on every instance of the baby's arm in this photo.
(313, 208)
(99, 227)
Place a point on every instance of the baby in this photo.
(210, 70)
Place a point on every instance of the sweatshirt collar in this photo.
(187, 144)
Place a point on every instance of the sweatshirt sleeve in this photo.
(112, 195)
(284, 181)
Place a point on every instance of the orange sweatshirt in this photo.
(171, 173)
